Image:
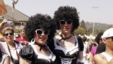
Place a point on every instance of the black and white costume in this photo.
(67, 55)
(30, 53)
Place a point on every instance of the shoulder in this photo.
(2, 43)
(80, 43)
(79, 39)
(3, 46)
(99, 59)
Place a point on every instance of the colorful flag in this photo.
(2, 8)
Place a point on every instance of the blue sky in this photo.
(89, 10)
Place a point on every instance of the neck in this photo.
(40, 45)
(66, 36)
(109, 51)
(12, 44)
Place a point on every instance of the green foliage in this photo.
(82, 24)
(87, 28)
(80, 30)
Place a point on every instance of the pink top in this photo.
(93, 50)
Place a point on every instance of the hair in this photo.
(6, 23)
(67, 13)
(98, 37)
(84, 39)
(36, 22)
(7, 28)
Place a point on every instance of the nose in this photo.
(65, 23)
(8, 34)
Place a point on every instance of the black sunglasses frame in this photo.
(6, 34)
(63, 22)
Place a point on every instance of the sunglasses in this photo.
(41, 32)
(6, 34)
(63, 22)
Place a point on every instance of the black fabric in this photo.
(100, 48)
(1, 56)
(58, 60)
(41, 61)
(81, 48)
(80, 43)
(29, 54)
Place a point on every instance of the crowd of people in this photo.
(46, 40)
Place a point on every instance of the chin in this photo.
(43, 43)
(66, 32)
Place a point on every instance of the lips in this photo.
(43, 38)
(66, 28)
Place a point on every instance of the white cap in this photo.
(108, 33)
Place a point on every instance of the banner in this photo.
(2, 8)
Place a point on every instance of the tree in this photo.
(80, 30)
(82, 24)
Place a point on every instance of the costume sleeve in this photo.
(80, 42)
(27, 52)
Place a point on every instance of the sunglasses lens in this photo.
(69, 22)
(62, 22)
(39, 32)
(6, 34)
(46, 32)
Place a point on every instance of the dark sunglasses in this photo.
(40, 32)
(63, 22)
(6, 34)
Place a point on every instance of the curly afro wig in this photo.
(39, 21)
(67, 13)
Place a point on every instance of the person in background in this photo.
(101, 46)
(3, 24)
(22, 37)
(10, 46)
(67, 47)
(106, 57)
(38, 31)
